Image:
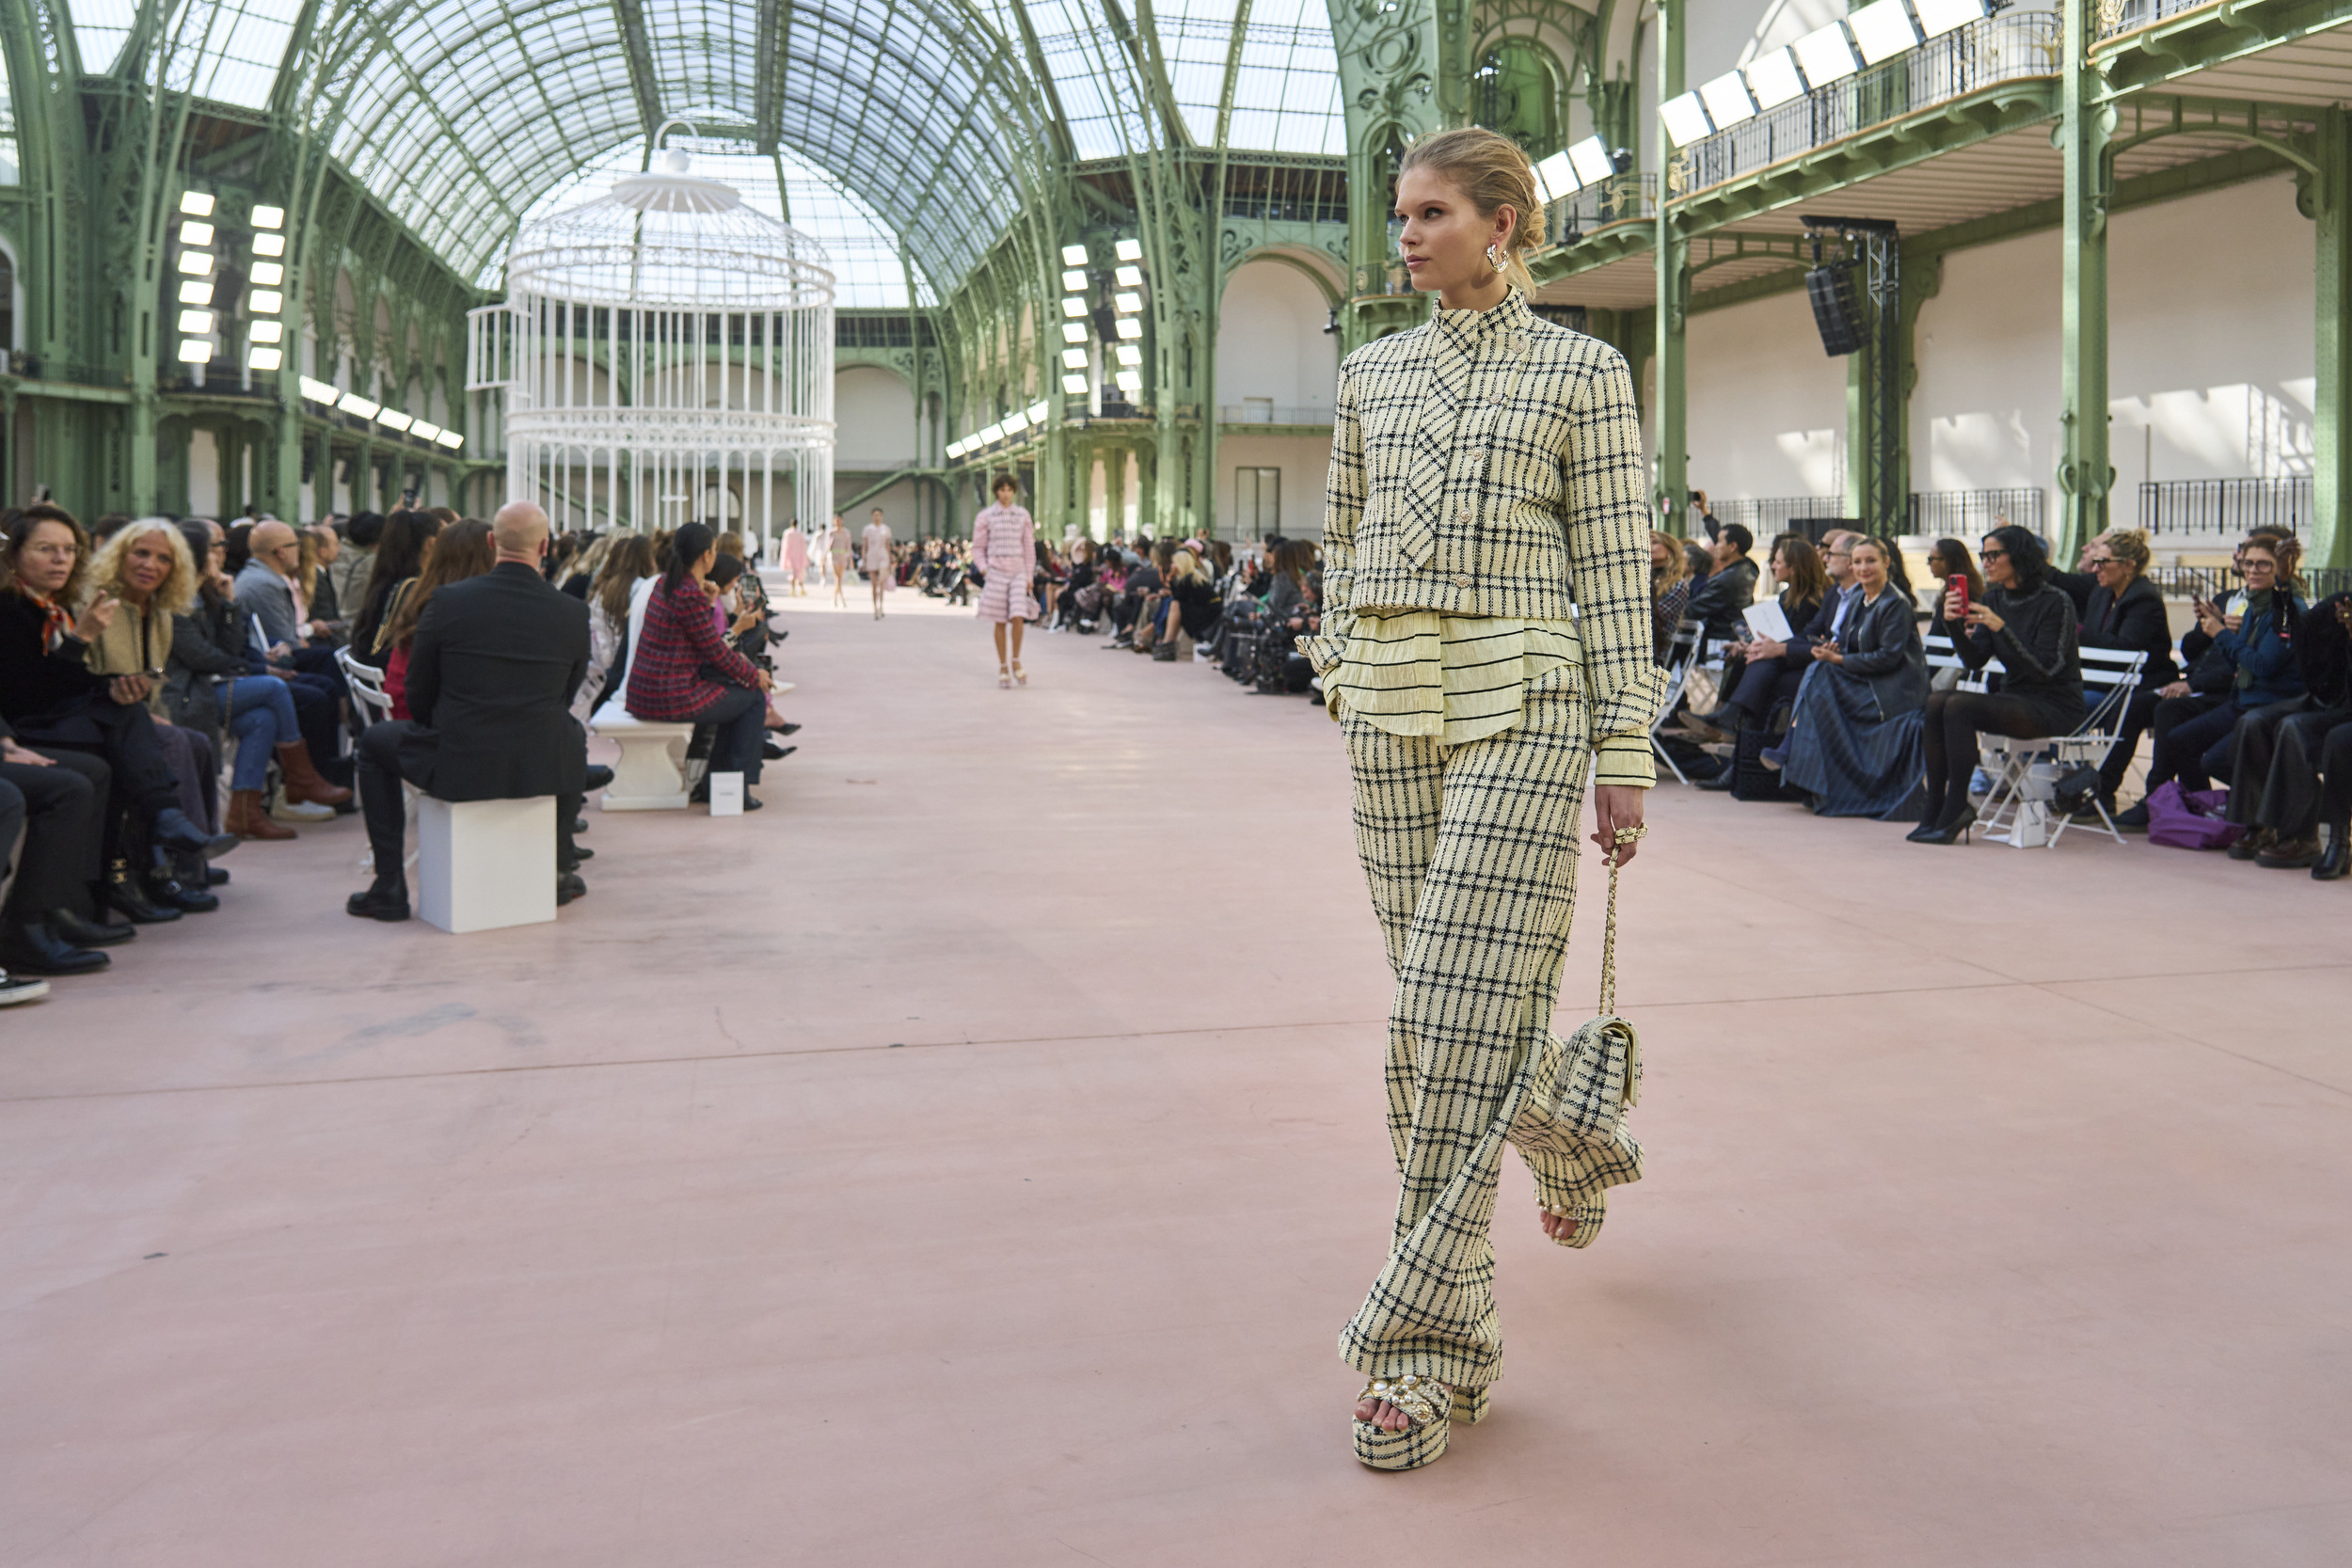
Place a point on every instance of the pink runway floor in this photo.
(971, 1158)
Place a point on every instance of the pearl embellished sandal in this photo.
(1430, 1406)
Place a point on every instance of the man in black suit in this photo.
(491, 675)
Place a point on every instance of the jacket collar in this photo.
(1471, 331)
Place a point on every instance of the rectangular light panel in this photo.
(1073, 283)
(1773, 79)
(263, 358)
(1074, 256)
(1938, 17)
(268, 302)
(1728, 100)
(195, 291)
(1825, 54)
(425, 431)
(198, 263)
(1074, 385)
(1127, 305)
(319, 391)
(1129, 354)
(1555, 178)
(1036, 413)
(197, 204)
(1072, 332)
(1129, 250)
(194, 351)
(269, 245)
(451, 439)
(1073, 360)
(1130, 328)
(1881, 31)
(352, 402)
(391, 421)
(1590, 159)
(196, 233)
(1685, 118)
(1073, 307)
(196, 321)
(1131, 381)
(265, 332)
(269, 217)
(1128, 277)
(268, 275)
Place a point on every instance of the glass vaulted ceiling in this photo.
(460, 114)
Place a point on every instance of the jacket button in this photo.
(1463, 516)
(1461, 581)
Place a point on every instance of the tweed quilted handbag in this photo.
(1573, 1097)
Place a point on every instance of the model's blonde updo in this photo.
(1492, 172)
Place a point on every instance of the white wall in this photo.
(1305, 461)
(1270, 341)
(2210, 332)
(203, 473)
(2210, 350)
(875, 412)
(1767, 406)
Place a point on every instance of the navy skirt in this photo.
(1855, 762)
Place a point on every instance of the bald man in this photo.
(492, 672)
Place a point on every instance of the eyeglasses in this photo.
(54, 552)
(1993, 555)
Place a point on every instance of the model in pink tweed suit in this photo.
(1004, 546)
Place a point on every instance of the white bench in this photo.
(652, 772)
(482, 864)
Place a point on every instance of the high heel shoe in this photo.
(1427, 1406)
(1018, 677)
(1004, 679)
(1954, 831)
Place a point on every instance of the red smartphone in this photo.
(1959, 584)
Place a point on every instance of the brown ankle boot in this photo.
(246, 819)
(302, 780)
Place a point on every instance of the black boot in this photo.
(2336, 860)
(72, 928)
(123, 893)
(168, 890)
(382, 901)
(33, 948)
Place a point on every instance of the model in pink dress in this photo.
(796, 559)
(1004, 546)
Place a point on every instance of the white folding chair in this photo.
(2024, 772)
(1681, 653)
(367, 689)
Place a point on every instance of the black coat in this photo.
(1880, 644)
(1719, 603)
(492, 672)
(40, 688)
(2137, 623)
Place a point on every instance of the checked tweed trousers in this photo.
(1470, 851)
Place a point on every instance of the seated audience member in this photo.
(2027, 623)
(1757, 671)
(51, 698)
(270, 589)
(2248, 664)
(750, 594)
(1949, 559)
(1717, 604)
(1186, 611)
(1144, 579)
(208, 686)
(401, 552)
(1669, 591)
(580, 573)
(358, 534)
(2079, 582)
(56, 799)
(2279, 753)
(628, 563)
(146, 569)
(683, 671)
(321, 550)
(491, 670)
(2125, 611)
(1080, 599)
(461, 551)
(1854, 743)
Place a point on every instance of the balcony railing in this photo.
(1270, 413)
(1774, 515)
(1621, 199)
(2121, 16)
(1990, 50)
(2229, 506)
(1970, 514)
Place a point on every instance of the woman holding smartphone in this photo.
(1487, 475)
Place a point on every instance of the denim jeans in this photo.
(261, 716)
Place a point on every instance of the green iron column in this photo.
(2331, 424)
(2084, 473)
(1674, 290)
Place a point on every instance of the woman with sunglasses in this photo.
(2027, 623)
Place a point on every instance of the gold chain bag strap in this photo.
(1572, 1099)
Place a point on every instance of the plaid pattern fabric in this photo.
(679, 641)
(1458, 679)
(1490, 465)
(1471, 852)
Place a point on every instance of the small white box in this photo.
(481, 865)
(727, 794)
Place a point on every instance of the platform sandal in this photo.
(1019, 677)
(1004, 679)
(1424, 1403)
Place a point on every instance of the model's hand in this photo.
(1558, 1227)
(1617, 806)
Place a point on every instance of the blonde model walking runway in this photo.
(1004, 546)
(1487, 475)
(837, 545)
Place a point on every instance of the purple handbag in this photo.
(2190, 819)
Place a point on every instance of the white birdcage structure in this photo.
(665, 356)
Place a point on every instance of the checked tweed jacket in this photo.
(1489, 464)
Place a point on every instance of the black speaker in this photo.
(1831, 290)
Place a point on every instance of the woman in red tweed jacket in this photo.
(682, 672)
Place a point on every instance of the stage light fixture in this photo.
(1073, 332)
(194, 351)
(265, 332)
(1555, 178)
(1825, 54)
(1073, 360)
(1129, 250)
(1773, 79)
(263, 358)
(1728, 100)
(269, 245)
(1128, 277)
(1073, 307)
(195, 291)
(197, 204)
(269, 217)
(451, 439)
(1076, 386)
(1127, 305)
(196, 321)
(1074, 256)
(268, 275)
(1131, 382)
(1130, 328)
(1129, 355)
(1882, 31)
(197, 263)
(352, 402)
(1685, 118)
(1938, 17)
(1073, 283)
(1590, 159)
(267, 302)
(196, 233)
